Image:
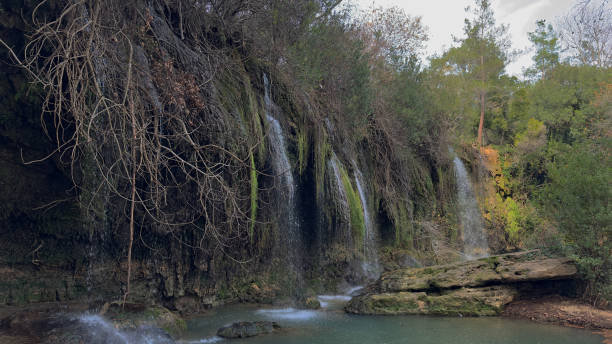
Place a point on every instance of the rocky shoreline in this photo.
(560, 311)
(517, 285)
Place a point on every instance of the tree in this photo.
(586, 32)
(486, 36)
(393, 35)
(578, 198)
(561, 100)
(480, 58)
(546, 43)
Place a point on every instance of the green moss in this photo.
(176, 328)
(253, 113)
(395, 305)
(492, 261)
(402, 223)
(302, 150)
(322, 150)
(356, 210)
(136, 315)
(428, 271)
(254, 191)
(449, 305)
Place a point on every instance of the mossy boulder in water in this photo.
(312, 303)
(55, 323)
(473, 288)
(133, 316)
(464, 302)
(245, 329)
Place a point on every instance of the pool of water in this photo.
(331, 325)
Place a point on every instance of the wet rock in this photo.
(407, 261)
(67, 323)
(484, 301)
(473, 288)
(312, 303)
(134, 316)
(246, 329)
(504, 269)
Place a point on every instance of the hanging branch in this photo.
(152, 130)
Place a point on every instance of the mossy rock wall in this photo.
(59, 241)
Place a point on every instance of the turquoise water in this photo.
(332, 326)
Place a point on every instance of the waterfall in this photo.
(280, 161)
(371, 266)
(282, 168)
(474, 237)
(342, 193)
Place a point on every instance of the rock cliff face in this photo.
(64, 223)
(473, 288)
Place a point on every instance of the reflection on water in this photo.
(332, 326)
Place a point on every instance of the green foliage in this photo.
(578, 197)
(473, 68)
(330, 60)
(409, 100)
(560, 101)
(532, 138)
(546, 43)
(513, 217)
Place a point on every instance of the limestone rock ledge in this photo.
(473, 288)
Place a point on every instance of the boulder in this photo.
(55, 324)
(457, 302)
(244, 329)
(471, 288)
(134, 316)
(504, 269)
(312, 303)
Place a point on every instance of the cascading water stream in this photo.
(371, 266)
(282, 168)
(98, 330)
(474, 237)
(341, 192)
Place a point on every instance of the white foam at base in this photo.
(288, 313)
(204, 340)
(326, 300)
(100, 326)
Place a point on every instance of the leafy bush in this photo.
(578, 197)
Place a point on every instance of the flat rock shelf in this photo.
(480, 287)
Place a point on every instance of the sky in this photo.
(446, 17)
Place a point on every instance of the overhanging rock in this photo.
(478, 287)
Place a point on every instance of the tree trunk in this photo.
(482, 103)
(482, 111)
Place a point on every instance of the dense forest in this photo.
(198, 153)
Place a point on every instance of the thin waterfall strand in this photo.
(474, 237)
(290, 234)
(371, 266)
